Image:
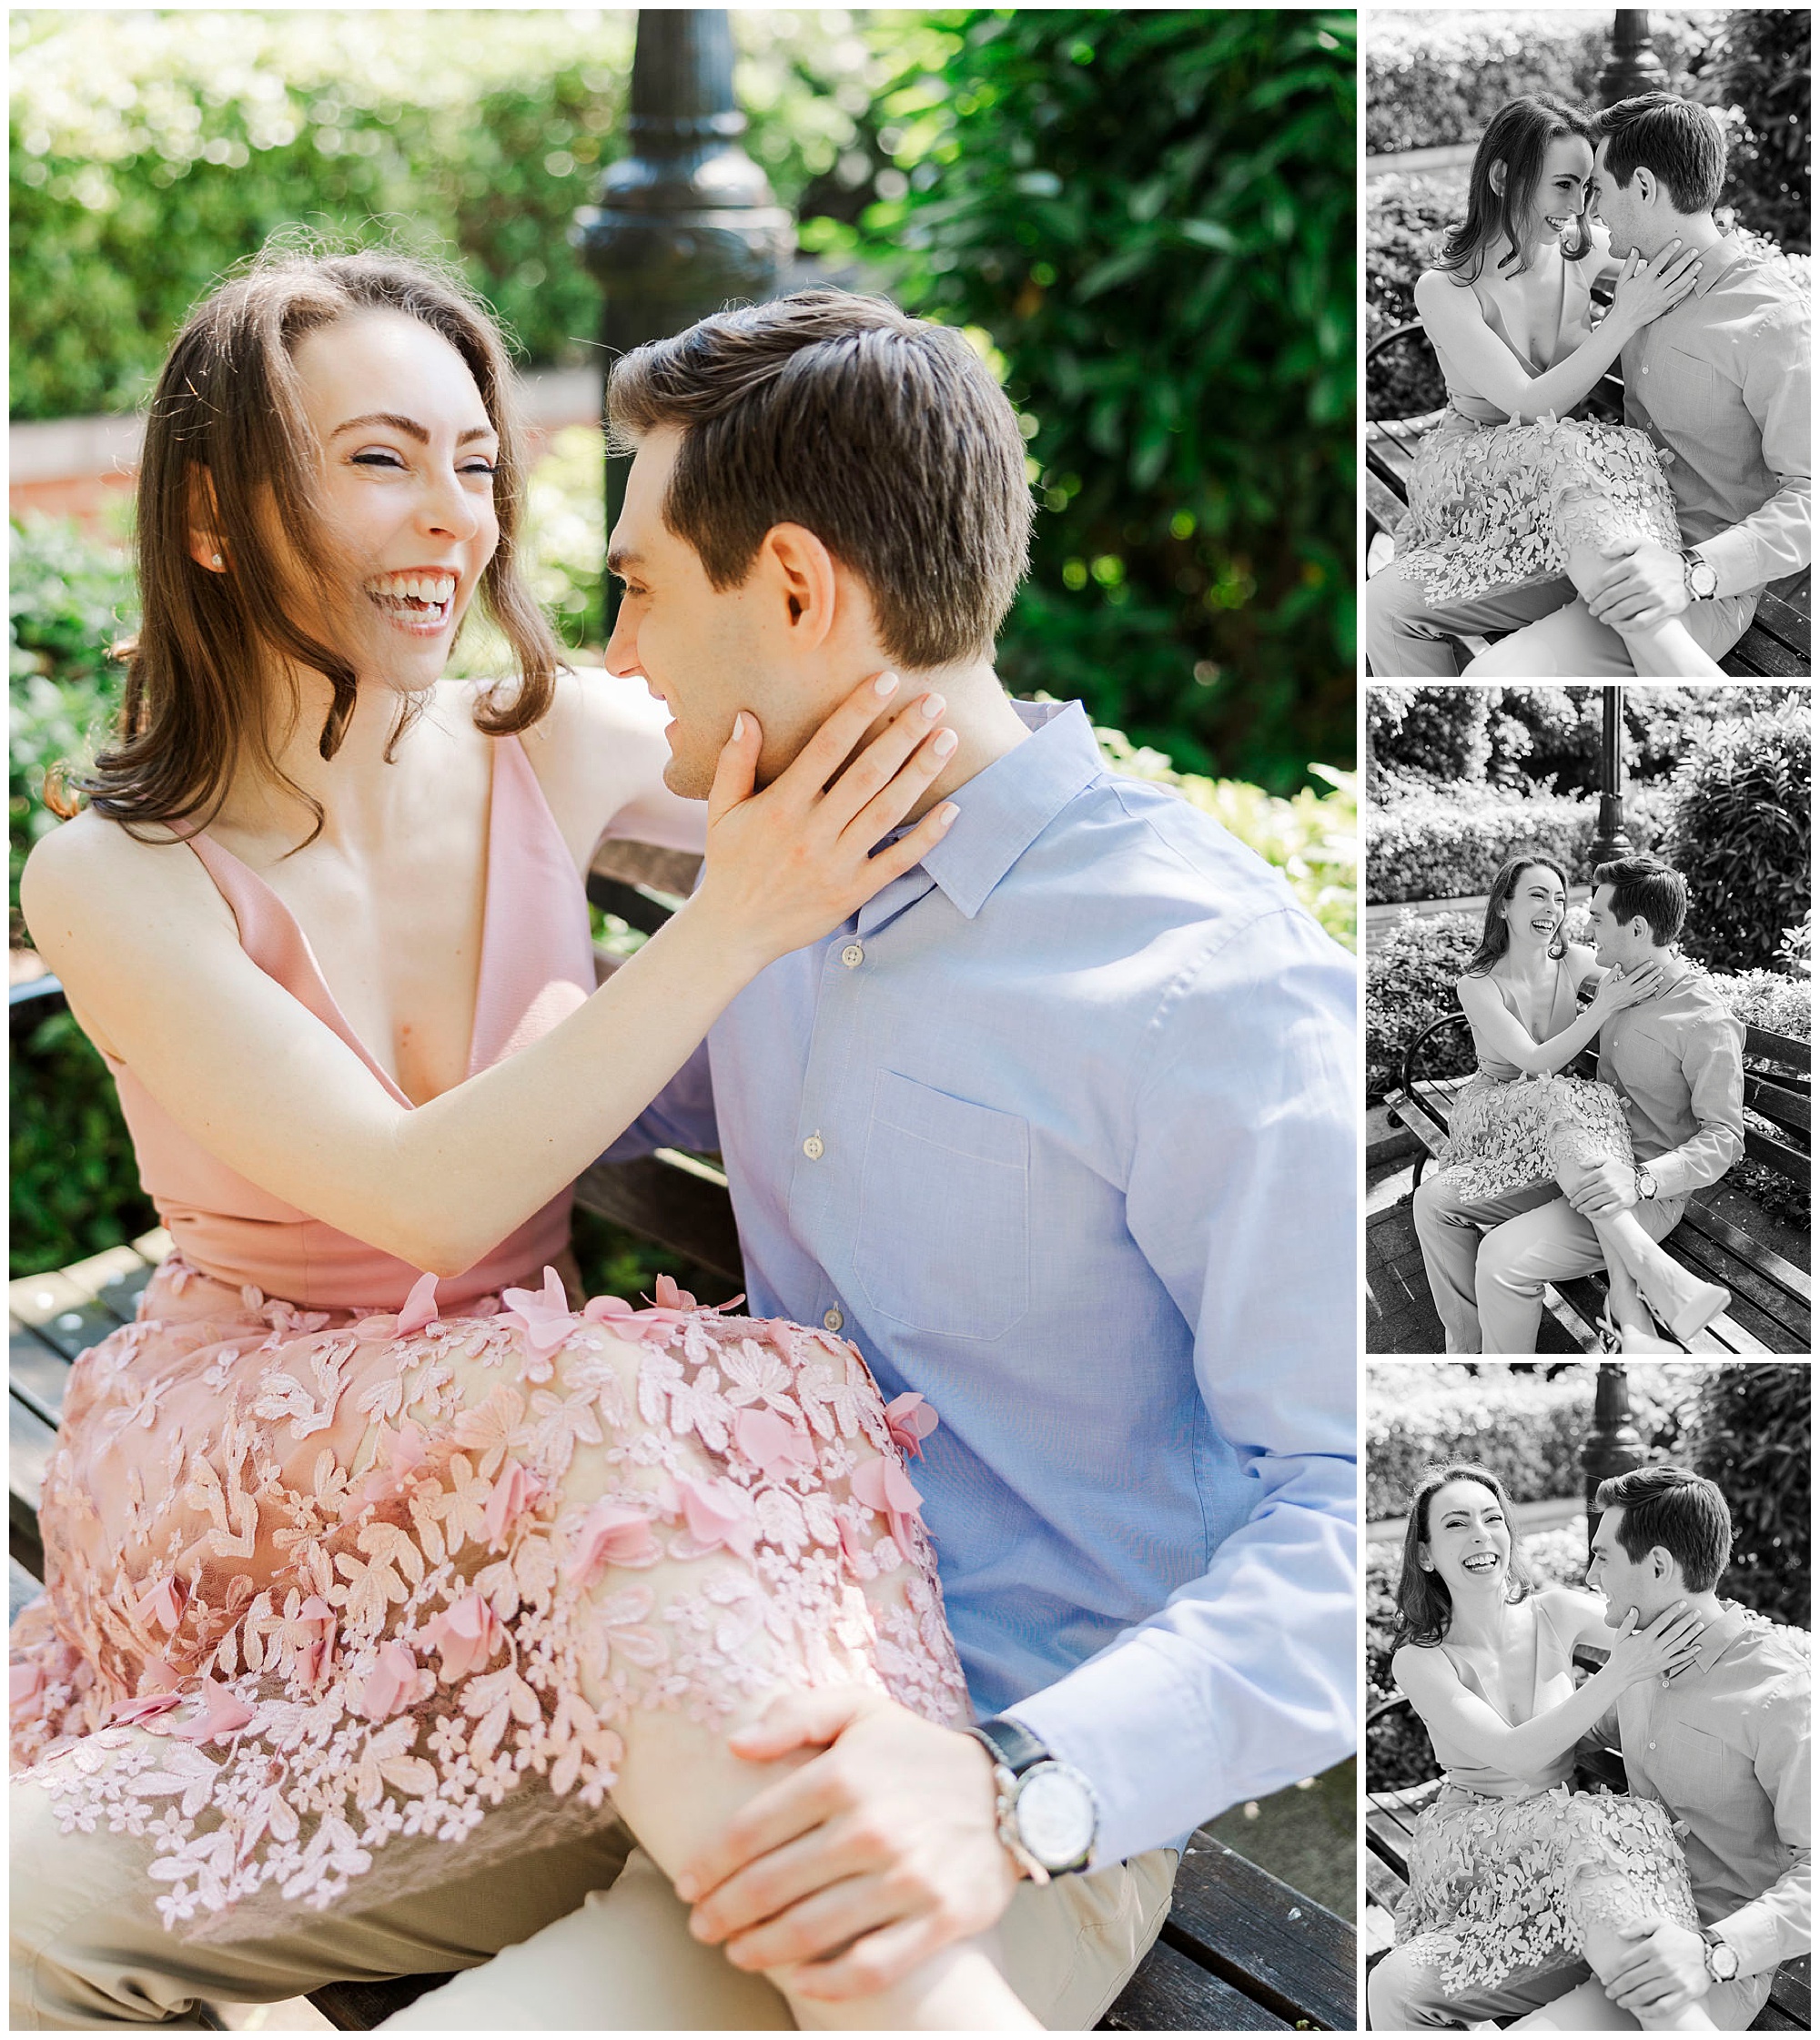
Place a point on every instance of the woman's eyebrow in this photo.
(408, 427)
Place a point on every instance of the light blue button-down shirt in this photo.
(1060, 1132)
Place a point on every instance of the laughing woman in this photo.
(1514, 1877)
(366, 1540)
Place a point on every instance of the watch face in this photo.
(1054, 1815)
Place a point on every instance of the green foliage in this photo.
(1526, 1430)
(1743, 833)
(1410, 970)
(148, 160)
(75, 1188)
(1437, 734)
(1445, 848)
(1110, 197)
(1754, 1435)
(1433, 77)
(1757, 71)
(1404, 216)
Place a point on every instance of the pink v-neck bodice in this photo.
(537, 965)
(1553, 1682)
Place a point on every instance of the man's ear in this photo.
(799, 571)
(205, 542)
(1644, 182)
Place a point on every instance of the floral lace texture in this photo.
(1502, 1136)
(326, 1587)
(1498, 1887)
(1497, 506)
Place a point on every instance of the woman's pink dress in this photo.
(342, 1564)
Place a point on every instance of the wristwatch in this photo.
(1700, 575)
(1047, 1815)
(1721, 1958)
(1646, 1184)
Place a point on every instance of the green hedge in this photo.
(1527, 1432)
(1110, 195)
(1433, 77)
(1410, 970)
(1742, 834)
(1443, 848)
(1753, 1434)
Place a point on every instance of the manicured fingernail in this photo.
(932, 705)
(739, 728)
(946, 740)
(945, 819)
(885, 684)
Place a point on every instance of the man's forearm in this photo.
(1697, 1162)
(1776, 1926)
(1774, 540)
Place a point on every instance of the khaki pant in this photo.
(1403, 1996)
(594, 1939)
(1486, 1263)
(1553, 634)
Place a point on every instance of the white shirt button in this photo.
(812, 1148)
(832, 1317)
(853, 955)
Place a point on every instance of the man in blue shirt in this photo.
(1059, 1130)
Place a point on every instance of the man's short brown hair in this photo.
(1646, 885)
(885, 435)
(1684, 1512)
(1678, 141)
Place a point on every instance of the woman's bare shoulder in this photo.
(91, 873)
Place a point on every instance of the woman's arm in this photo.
(152, 960)
(1496, 1029)
(1447, 1705)
(1455, 322)
(1581, 1615)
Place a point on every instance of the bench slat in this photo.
(1172, 1993)
(1753, 1284)
(1771, 1048)
(1792, 1111)
(30, 1442)
(38, 1374)
(1237, 1919)
(680, 1203)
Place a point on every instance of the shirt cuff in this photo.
(1755, 1933)
(1732, 556)
(1125, 1721)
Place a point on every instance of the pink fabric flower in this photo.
(515, 1490)
(466, 1633)
(718, 1512)
(669, 1297)
(910, 1420)
(223, 1713)
(160, 1604)
(883, 1485)
(612, 1533)
(27, 1683)
(160, 1675)
(773, 1447)
(316, 1656)
(402, 1453)
(544, 1313)
(391, 1684)
(420, 1306)
(146, 1708)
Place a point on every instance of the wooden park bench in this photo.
(1390, 1821)
(1779, 643)
(1771, 1299)
(1239, 1952)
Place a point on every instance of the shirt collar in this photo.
(1719, 1637)
(1714, 262)
(1003, 811)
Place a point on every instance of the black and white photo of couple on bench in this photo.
(1570, 545)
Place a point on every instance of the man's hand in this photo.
(1644, 585)
(1664, 1969)
(863, 1862)
(1601, 1189)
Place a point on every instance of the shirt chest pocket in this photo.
(1681, 390)
(943, 1242)
(1694, 1770)
(1649, 1065)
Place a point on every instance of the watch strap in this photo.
(1010, 1743)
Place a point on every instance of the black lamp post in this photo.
(1632, 66)
(686, 222)
(1612, 1446)
(1609, 838)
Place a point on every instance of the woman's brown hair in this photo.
(1425, 1606)
(226, 423)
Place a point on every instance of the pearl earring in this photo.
(214, 559)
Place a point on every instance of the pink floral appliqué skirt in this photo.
(1503, 1135)
(1498, 506)
(1503, 1886)
(323, 1584)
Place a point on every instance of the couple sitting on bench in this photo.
(1602, 550)
(1546, 1177)
(396, 1617)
